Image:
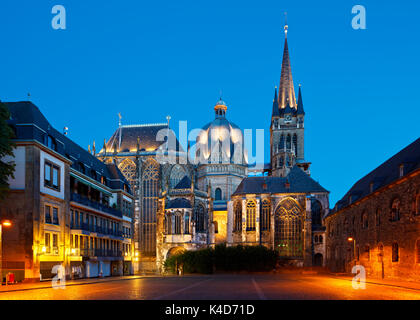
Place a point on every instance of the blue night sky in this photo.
(150, 59)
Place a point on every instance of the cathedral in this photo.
(186, 202)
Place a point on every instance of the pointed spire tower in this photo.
(286, 88)
(287, 131)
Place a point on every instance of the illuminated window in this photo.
(237, 226)
(265, 215)
(150, 182)
(395, 252)
(250, 215)
(128, 169)
(288, 236)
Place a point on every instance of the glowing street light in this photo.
(351, 239)
(4, 223)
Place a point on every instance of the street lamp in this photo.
(351, 239)
(4, 223)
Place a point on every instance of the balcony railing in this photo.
(93, 228)
(94, 204)
(100, 253)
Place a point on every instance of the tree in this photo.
(7, 168)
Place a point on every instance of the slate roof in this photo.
(386, 173)
(299, 182)
(185, 183)
(147, 135)
(178, 203)
(29, 123)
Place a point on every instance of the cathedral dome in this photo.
(220, 141)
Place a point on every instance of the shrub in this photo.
(222, 258)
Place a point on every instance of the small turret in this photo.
(300, 110)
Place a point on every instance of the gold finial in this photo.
(285, 24)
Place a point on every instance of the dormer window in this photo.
(50, 142)
(401, 170)
(371, 187)
(82, 168)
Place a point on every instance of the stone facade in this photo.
(55, 182)
(384, 230)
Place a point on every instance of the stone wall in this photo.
(379, 232)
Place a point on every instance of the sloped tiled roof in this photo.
(299, 182)
(30, 124)
(185, 183)
(147, 135)
(386, 173)
(178, 203)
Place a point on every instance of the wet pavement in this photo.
(214, 287)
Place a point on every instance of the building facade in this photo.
(67, 208)
(376, 224)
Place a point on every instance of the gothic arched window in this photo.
(177, 223)
(177, 173)
(265, 215)
(316, 209)
(365, 220)
(187, 223)
(378, 217)
(295, 145)
(150, 179)
(288, 236)
(237, 224)
(395, 210)
(288, 142)
(200, 221)
(128, 169)
(250, 215)
(281, 145)
(218, 194)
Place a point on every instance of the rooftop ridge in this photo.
(144, 125)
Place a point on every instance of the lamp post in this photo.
(5, 223)
(351, 239)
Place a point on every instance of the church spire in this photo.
(300, 103)
(276, 112)
(286, 89)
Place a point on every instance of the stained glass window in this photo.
(150, 182)
(250, 215)
(288, 236)
(128, 169)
